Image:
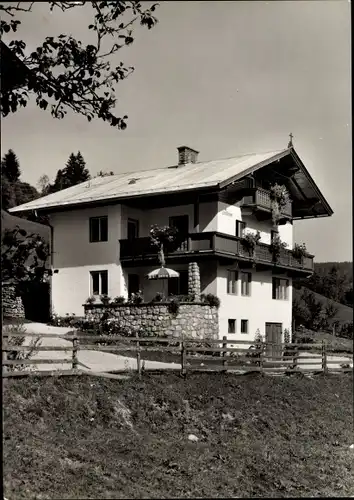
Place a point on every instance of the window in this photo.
(246, 284)
(99, 282)
(244, 325)
(273, 233)
(133, 283)
(178, 286)
(280, 289)
(98, 229)
(232, 277)
(133, 229)
(231, 326)
(240, 228)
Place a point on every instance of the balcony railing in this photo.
(213, 243)
(260, 199)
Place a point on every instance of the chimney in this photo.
(187, 155)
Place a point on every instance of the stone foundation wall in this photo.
(192, 320)
(12, 306)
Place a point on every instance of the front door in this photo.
(181, 223)
(273, 337)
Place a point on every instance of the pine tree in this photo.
(10, 166)
(75, 170)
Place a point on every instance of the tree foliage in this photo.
(10, 166)
(13, 191)
(23, 257)
(66, 74)
(334, 280)
(72, 174)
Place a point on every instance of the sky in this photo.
(225, 78)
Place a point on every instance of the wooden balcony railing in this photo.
(260, 198)
(213, 243)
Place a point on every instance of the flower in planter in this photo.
(136, 298)
(277, 246)
(250, 241)
(105, 300)
(119, 300)
(300, 251)
(279, 196)
(91, 300)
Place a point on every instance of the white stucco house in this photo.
(100, 235)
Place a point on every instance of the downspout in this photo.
(51, 263)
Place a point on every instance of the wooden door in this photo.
(273, 336)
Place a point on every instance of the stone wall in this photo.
(192, 320)
(12, 306)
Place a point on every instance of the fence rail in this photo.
(207, 355)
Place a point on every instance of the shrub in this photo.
(105, 300)
(158, 297)
(136, 298)
(19, 341)
(347, 330)
(119, 300)
(91, 300)
(173, 306)
(286, 336)
(212, 300)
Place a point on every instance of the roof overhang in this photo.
(308, 201)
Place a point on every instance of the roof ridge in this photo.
(275, 151)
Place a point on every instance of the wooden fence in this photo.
(191, 355)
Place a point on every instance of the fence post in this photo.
(261, 358)
(324, 357)
(75, 361)
(138, 354)
(296, 358)
(183, 358)
(224, 346)
(4, 359)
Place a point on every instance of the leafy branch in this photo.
(64, 73)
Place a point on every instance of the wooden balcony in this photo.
(259, 202)
(139, 251)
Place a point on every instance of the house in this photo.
(101, 244)
(34, 304)
(14, 73)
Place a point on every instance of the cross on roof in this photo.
(290, 145)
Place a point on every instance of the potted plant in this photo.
(279, 197)
(165, 238)
(277, 246)
(300, 251)
(250, 240)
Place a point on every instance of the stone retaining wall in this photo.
(192, 320)
(12, 306)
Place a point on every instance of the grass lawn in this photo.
(86, 437)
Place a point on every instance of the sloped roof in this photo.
(215, 174)
(11, 221)
(165, 180)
